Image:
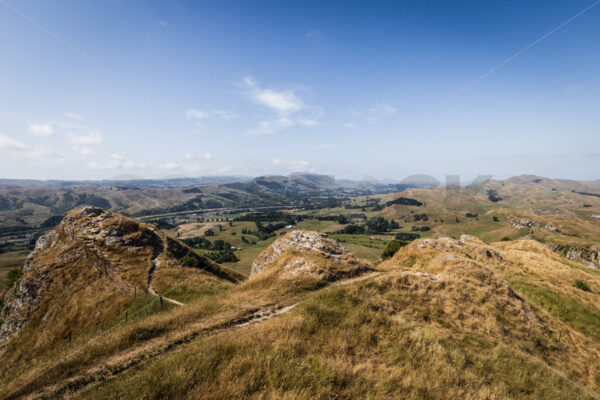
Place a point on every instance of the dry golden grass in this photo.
(401, 335)
(87, 281)
(445, 319)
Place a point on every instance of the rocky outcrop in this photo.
(308, 254)
(586, 255)
(467, 246)
(524, 223)
(90, 268)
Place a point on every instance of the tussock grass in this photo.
(446, 320)
(584, 318)
(365, 340)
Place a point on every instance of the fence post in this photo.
(161, 300)
(102, 329)
(126, 315)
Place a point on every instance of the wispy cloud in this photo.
(44, 129)
(576, 87)
(283, 102)
(45, 156)
(223, 114)
(289, 109)
(169, 166)
(313, 34)
(115, 161)
(194, 114)
(73, 116)
(293, 166)
(162, 23)
(379, 111)
(205, 156)
(89, 138)
(8, 143)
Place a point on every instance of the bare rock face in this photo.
(586, 255)
(312, 254)
(524, 223)
(467, 246)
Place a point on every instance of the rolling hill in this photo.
(562, 214)
(89, 271)
(443, 318)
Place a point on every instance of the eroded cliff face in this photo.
(89, 269)
(308, 254)
(588, 255)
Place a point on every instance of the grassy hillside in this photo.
(442, 319)
(92, 270)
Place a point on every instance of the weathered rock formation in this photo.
(308, 254)
(89, 269)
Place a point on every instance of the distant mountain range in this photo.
(34, 203)
(127, 181)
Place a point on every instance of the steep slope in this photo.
(443, 319)
(89, 269)
(449, 319)
(266, 295)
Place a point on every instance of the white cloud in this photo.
(272, 125)
(205, 156)
(282, 102)
(380, 111)
(162, 23)
(193, 114)
(169, 166)
(223, 114)
(115, 161)
(196, 114)
(92, 137)
(43, 130)
(289, 108)
(8, 143)
(351, 125)
(73, 116)
(290, 165)
(83, 150)
(45, 156)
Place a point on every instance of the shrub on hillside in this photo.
(392, 248)
(493, 196)
(189, 261)
(579, 284)
(342, 220)
(14, 275)
(407, 236)
(352, 229)
(380, 225)
(404, 201)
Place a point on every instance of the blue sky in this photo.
(93, 90)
